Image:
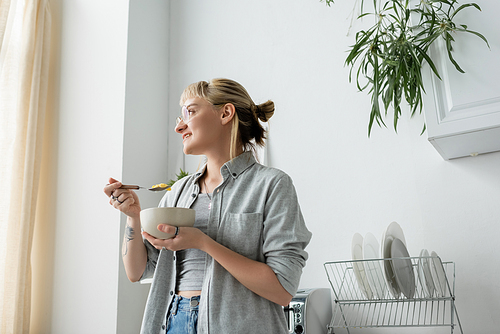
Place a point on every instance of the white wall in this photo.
(89, 127)
(110, 120)
(145, 131)
(293, 53)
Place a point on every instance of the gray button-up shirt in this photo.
(255, 212)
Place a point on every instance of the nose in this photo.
(180, 126)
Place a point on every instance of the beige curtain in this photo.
(24, 61)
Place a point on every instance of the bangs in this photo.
(197, 89)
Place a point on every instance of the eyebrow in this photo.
(190, 105)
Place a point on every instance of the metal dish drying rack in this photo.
(352, 309)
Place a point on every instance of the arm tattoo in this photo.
(129, 236)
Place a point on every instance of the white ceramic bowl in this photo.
(152, 217)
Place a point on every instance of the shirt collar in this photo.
(231, 168)
(239, 164)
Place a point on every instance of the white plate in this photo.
(438, 275)
(403, 268)
(373, 269)
(392, 232)
(359, 268)
(424, 274)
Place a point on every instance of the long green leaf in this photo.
(448, 40)
(428, 60)
(477, 34)
(463, 7)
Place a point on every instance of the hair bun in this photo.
(264, 111)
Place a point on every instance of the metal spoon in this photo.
(130, 186)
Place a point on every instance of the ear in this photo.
(227, 113)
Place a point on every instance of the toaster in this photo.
(310, 311)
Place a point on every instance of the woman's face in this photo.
(202, 131)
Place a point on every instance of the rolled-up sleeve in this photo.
(151, 262)
(285, 235)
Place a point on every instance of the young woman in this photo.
(242, 261)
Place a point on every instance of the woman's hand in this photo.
(187, 237)
(124, 200)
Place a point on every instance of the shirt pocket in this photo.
(242, 233)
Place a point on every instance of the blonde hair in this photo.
(246, 130)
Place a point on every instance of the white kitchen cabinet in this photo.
(462, 111)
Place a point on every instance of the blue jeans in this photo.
(183, 315)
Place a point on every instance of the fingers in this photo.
(158, 243)
(116, 195)
(111, 180)
(170, 244)
(110, 188)
(168, 229)
(118, 199)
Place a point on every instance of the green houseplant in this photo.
(387, 58)
(178, 176)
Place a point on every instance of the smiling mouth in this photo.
(186, 136)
